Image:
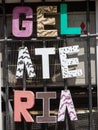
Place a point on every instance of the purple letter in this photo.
(20, 27)
(66, 102)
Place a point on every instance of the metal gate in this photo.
(84, 96)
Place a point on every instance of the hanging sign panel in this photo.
(66, 99)
(69, 62)
(42, 21)
(25, 100)
(24, 60)
(23, 27)
(46, 96)
(66, 102)
(45, 52)
(26, 28)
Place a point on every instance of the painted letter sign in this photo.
(24, 61)
(46, 118)
(66, 102)
(64, 22)
(24, 27)
(23, 100)
(65, 62)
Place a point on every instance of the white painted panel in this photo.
(45, 52)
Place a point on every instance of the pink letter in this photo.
(66, 102)
(21, 27)
(23, 100)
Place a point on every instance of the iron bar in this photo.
(66, 87)
(97, 49)
(89, 66)
(50, 39)
(24, 76)
(5, 67)
(1, 120)
(0, 91)
(45, 126)
(24, 88)
(66, 119)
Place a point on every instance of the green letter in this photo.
(63, 22)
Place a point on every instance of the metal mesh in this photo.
(55, 80)
(81, 124)
(54, 63)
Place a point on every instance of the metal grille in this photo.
(55, 68)
(82, 124)
(10, 53)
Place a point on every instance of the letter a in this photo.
(24, 59)
(66, 102)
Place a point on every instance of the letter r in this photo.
(20, 106)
